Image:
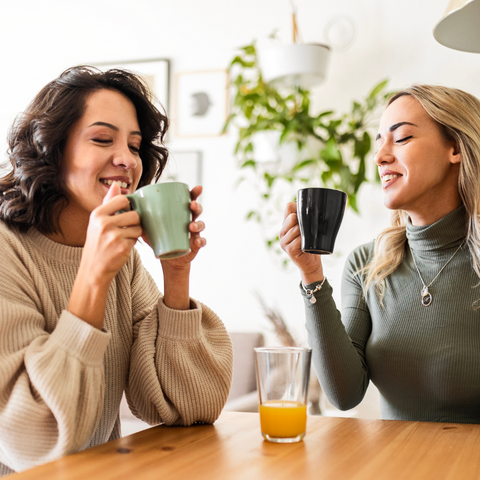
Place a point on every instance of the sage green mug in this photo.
(165, 214)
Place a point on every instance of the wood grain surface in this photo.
(233, 448)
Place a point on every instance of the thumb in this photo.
(113, 191)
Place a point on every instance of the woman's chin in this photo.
(391, 205)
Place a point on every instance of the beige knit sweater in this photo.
(61, 380)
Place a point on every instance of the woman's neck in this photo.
(73, 229)
(433, 213)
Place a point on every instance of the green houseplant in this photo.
(331, 148)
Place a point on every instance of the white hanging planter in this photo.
(268, 148)
(303, 65)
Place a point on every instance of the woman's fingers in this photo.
(196, 192)
(113, 204)
(196, 227)
(198, 242)
(291, 235)
(113, 191)
(290, 221)
(196, 209)
(132, 233)
(289, 209)
(126, 219)
(290, 218)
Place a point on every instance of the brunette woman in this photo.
(82, 321)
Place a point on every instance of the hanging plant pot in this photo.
(302, 65)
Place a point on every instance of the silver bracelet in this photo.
(310, 292)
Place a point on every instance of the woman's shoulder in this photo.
(10, 236)
(15, 252)
(361, 255)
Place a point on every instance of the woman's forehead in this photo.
(110, 106)
(406, 110)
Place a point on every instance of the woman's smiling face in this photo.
(418, 165)
(102, 147)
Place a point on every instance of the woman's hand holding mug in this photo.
(310, 266)
(109, 242)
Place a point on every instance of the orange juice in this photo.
(283, 418)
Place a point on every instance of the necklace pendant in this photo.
(426, 297)
(313, 300)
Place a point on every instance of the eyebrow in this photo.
(394, 127)
(113, 127)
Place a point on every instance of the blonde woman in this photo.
(410, 321)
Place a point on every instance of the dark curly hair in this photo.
(33, 193)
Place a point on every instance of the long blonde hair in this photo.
(458, 114)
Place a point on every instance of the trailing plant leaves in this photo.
(249, 163)
(303, 164)
(341, 142)
(378, 89)
(269, 179)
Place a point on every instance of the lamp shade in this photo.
(459, 28)
(303, 65)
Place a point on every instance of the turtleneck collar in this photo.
(447, 233)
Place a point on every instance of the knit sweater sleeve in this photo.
(51, 379)
(181, 363)
(338, 341)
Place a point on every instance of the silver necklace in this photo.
(426, 295)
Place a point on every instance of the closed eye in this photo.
(403, 139)
(102, 141)
(134, 149)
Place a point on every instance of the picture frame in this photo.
(184, 166)
(155, 71)
(201, 103)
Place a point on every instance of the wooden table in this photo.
(233, 448)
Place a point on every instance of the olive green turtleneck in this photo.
(425, 361)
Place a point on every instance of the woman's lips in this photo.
(389, 179)
(123, 191)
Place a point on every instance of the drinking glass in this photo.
(283, 375)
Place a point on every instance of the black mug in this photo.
(320, 214)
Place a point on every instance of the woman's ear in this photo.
(456, 155)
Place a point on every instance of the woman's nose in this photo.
(126, 159)
(383, 155)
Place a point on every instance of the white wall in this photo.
(39, 39)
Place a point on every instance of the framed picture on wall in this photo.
(155, 71)
(201, 103)
(184, 166)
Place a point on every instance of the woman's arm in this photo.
(51, 369)
(339, 360)
(181, 362)
(339, 341)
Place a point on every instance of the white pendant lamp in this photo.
(459, 28)
(298, 64)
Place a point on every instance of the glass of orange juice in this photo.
(283, 376)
